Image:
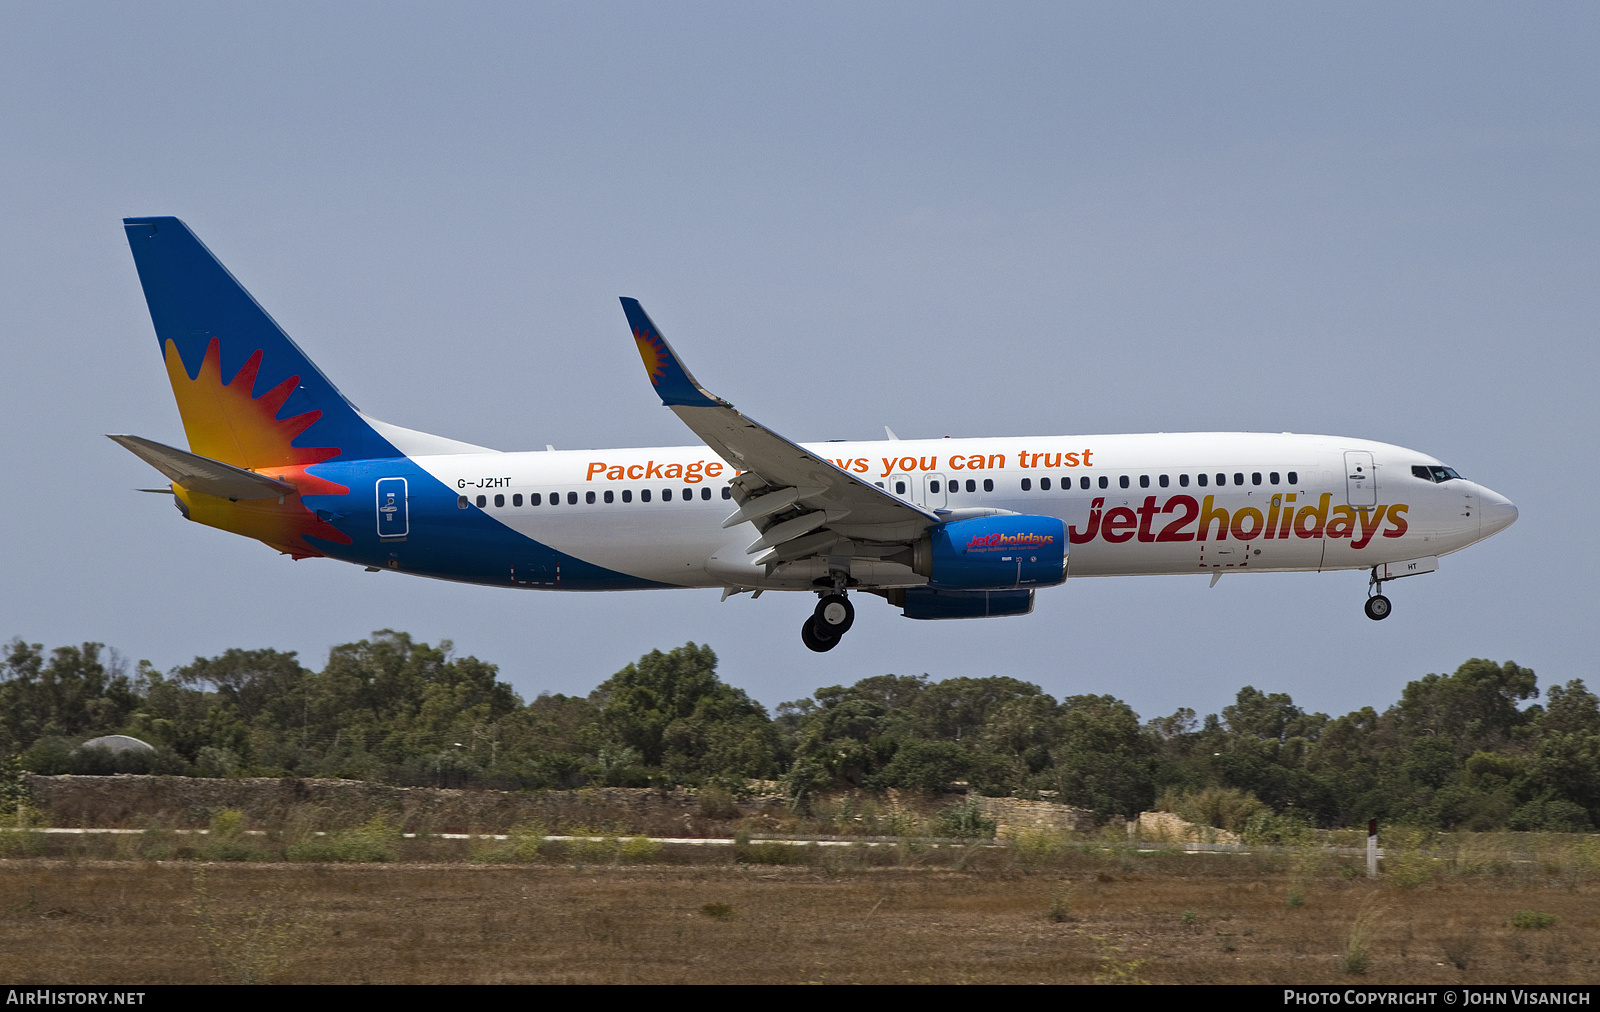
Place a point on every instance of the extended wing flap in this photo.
(202, 474)
(865, 510)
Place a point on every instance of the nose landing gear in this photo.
(1377, 606)
(833, 617)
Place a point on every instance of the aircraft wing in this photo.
(202, 474)
(802, 504)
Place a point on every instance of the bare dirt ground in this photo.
(976, 919)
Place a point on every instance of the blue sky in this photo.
(1365, 220)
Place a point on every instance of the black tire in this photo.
(835, 615)
(809, 636)
(1377, 607)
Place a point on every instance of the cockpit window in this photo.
(1433, 472)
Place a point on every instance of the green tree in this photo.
(681, 718)
(1103, 760)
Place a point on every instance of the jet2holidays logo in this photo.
(1201, 520)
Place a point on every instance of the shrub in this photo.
(1524, 920)
(1219, 807)
(925, 765)
(587, 846)
(716, 803)
(1114, 969)
(637, 850)
(48, 756)
(1405, 861)
(1060, 905)
(1034, 847)
(14, 791)
(1358, 949)
(964, 821)
(1268, 827)
(377, 839)
(767, 852)
(226, 841)
(20, 843)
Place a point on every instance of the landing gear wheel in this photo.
(820, 643)
(834, 615)
(1377, 607)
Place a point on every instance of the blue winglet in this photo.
(672, 381)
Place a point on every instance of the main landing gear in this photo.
(832, 618)
(1377, 606)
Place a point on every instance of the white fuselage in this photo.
(1155, 503)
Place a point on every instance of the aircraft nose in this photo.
(1498, 513)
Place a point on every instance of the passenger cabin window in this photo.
(933, 486)
(1183, 481)
(1044, 484)
(1027, 484)
(972, 486)
(1202, 479)
(535, 499)
(461, 502)
(727, 493)
(1222, 480)
(666, 495)
(1144, 481)
(499, 501)
(516, 500)
(627, 495)
(1162, 481)
(572, 498)
(588, 497)
(483, 501)
(644, 495)
(1083, 482)
(1255, 477)
(705, 494)
(1294, 477)
(1123, 481)
(610, 496)
(1238, 477)
(899, 488)
(1105, 482)
(1273, 477)
(988, 484)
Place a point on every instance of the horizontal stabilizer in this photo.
(202, 474)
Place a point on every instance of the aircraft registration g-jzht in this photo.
(941, 528)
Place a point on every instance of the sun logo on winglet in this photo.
(654, 354)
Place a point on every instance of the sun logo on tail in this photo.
(226, 421)
(654, 354)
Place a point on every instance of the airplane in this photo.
(940, 528)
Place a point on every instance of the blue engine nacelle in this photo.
(1008, 552)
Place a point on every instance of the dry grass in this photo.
(912, 919)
